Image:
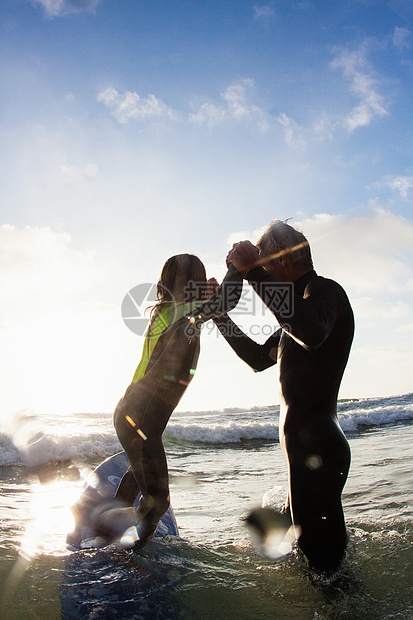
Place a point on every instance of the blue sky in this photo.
(137, 129)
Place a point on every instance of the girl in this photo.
(170, 354)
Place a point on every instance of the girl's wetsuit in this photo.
(168, 364)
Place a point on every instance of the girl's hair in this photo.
(177, 273)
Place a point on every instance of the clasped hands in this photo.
(244, 256)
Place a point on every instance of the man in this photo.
(311, 349)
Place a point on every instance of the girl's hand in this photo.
(212, 287)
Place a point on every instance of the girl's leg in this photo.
(140, 419)
(148, 473)
(155, 496)
(131, 482)
(128, 488)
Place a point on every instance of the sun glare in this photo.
(51, 520)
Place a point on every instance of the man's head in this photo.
(284, 251)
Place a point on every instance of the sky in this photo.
(132, 130)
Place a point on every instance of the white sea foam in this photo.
(76, 437)
(76, 447)
(375, 412)
(229, 432)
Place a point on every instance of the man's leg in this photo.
(317, 509)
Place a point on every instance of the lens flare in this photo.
(272, 533)
(55, 487)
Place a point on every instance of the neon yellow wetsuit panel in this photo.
(168, 315)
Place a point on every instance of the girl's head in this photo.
(177, 273)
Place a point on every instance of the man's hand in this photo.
(244, 256)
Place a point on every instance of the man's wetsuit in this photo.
(311, 348)
(168, 364)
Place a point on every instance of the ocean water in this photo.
(222, 464)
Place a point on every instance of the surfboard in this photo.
(100, 489)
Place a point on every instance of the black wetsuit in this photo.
(311, 348)
(142, 414)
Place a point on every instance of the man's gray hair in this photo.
(282, 239)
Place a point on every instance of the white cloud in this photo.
(131, 106)
(235, 106)
(364, 85)
(209, 114)
(402, 184)
(371, 255)
(401, 38)
(294, 134)
(263, 12)
(235, 97)
(298, 138)
(55, 8)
